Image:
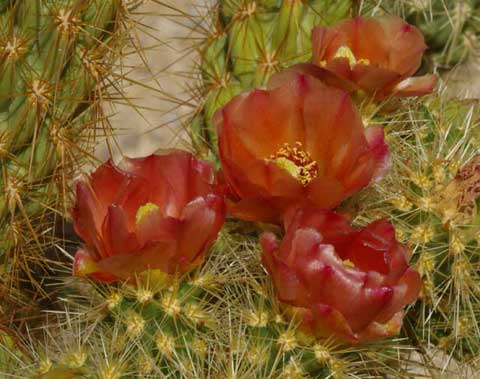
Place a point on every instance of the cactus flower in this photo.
(377, 55)
(158, 212)
(299, 143)
(346, 282)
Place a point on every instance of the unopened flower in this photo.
(346, 282)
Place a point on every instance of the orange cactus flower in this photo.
(299, 143)
(158, 212)
(349, 283)
(377, 55)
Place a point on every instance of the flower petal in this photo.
(201, 220)
(377, 330)
(416, 86)
(117, 237)
(172, 179)
(369, 251)
(372, 78)
(406, 44)
(257, 208)
(309, 120)
(156, 255)
(84, 265)
(404, 292)
(379, 148)
(263, 120)
(328, 77)
(333, 228)
(325, 43)
(327, 322)
(288, 285)
(106, 181)
(87, 217)
(155, 227)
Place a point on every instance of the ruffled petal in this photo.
(87, 217)
(404, 292)
(376, 330)
(327, 277)
(326, 76)
(201, 220)
(372, 78)
(105, 182)
(156, 255)
(153, 226)
(263, 120)
(369, 251)
(380, 151)
(406, 46)
(327, 322)
(289, 288)
(84, 265)
(333, 228)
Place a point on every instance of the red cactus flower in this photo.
(158, 212)
(346, 282)
(377, 55)
(300, 143)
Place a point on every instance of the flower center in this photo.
(346, 52)
(144, 211)
(297, 162)
(348, 263)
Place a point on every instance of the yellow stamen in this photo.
(348, 263)
(297, 162)
(144, 211)
(346, 52)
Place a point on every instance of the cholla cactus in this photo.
(431, 197)
(54, 59)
